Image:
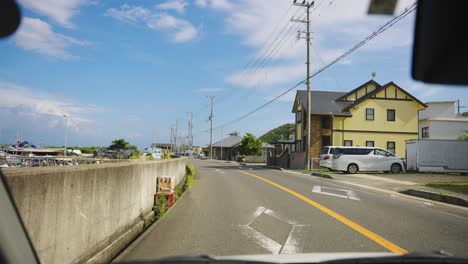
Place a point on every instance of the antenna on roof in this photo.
(373, 75)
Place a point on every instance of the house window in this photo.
(298, 116)
(369, 113)
(369, 143)
(390, 114)
(326, 124)
(425, 132)
(391, 146)
(348, 143)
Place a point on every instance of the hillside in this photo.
(281, 132)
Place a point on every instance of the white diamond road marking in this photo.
(290, 246)
(349, 193)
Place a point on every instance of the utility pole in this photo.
(66, 132)
(175, 135)
(211, 127)
(189, 134)
(222, 129)
(172, 139)
(307, 5)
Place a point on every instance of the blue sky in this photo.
(130, 69)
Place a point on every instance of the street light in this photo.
(66, 128)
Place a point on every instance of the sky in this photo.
(134, 69)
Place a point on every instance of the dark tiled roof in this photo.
(323, 102)
(231, 141)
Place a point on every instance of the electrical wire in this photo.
(379, 31)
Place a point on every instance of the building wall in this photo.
(446, 109)
(406, 116)
(439, 129)
(316, 136)
(379, 130)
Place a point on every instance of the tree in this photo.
(250, 145)
(464, 137)
(281, 132)
(119, 144)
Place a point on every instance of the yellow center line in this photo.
(360, 229)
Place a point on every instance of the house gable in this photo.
(389, 91)
(360, 91)
(297, 104)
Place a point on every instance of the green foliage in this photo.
(464, 114)
(464, 137)
(250, 145)
(149, 157)
(189, 169)
(119, 144)
(281, 132)
(161, 205)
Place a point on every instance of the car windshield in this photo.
(145, 129)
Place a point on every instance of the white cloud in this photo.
(253, 22)
(183, 30)
(26, 101)
(210, 90)
(179, 30)
(37, 35)
(176, 5)
(129, 14)
(216, 4)
(61, 11)
(268, 76)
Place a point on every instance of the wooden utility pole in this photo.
(307, 5)
(211, 127)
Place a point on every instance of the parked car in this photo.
(354, 159)
(326, 156)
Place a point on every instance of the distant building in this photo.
(226, 149)
(439, 121)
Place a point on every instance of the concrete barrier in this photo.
(87, 213)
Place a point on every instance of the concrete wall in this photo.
(73, 213)
(440, 109)
(444, 129)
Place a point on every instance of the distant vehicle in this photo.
(354, 159)
(326, 156)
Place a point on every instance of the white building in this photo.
(439, 121)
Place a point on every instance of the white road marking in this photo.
(217, 170)
(349, 193)
(262, 240)
(427, 203)
(277, 216)
(222, 172)
(292, 244)
(257, 213)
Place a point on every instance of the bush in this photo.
(161, 204)
(189, 169)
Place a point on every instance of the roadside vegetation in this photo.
(281, 132)
(459, 187)
(161, 205)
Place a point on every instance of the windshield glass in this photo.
(155, 128)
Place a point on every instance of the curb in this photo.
(321, 175)
(436, 197)
(273, 167)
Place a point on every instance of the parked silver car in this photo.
(326, 156)
(354, 159)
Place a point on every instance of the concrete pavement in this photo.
(234, 210)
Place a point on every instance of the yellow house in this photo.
(376, 115)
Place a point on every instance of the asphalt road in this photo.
(233, 210)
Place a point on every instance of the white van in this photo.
(326, 156)
(354, 159)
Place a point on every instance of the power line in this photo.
(379, 31)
